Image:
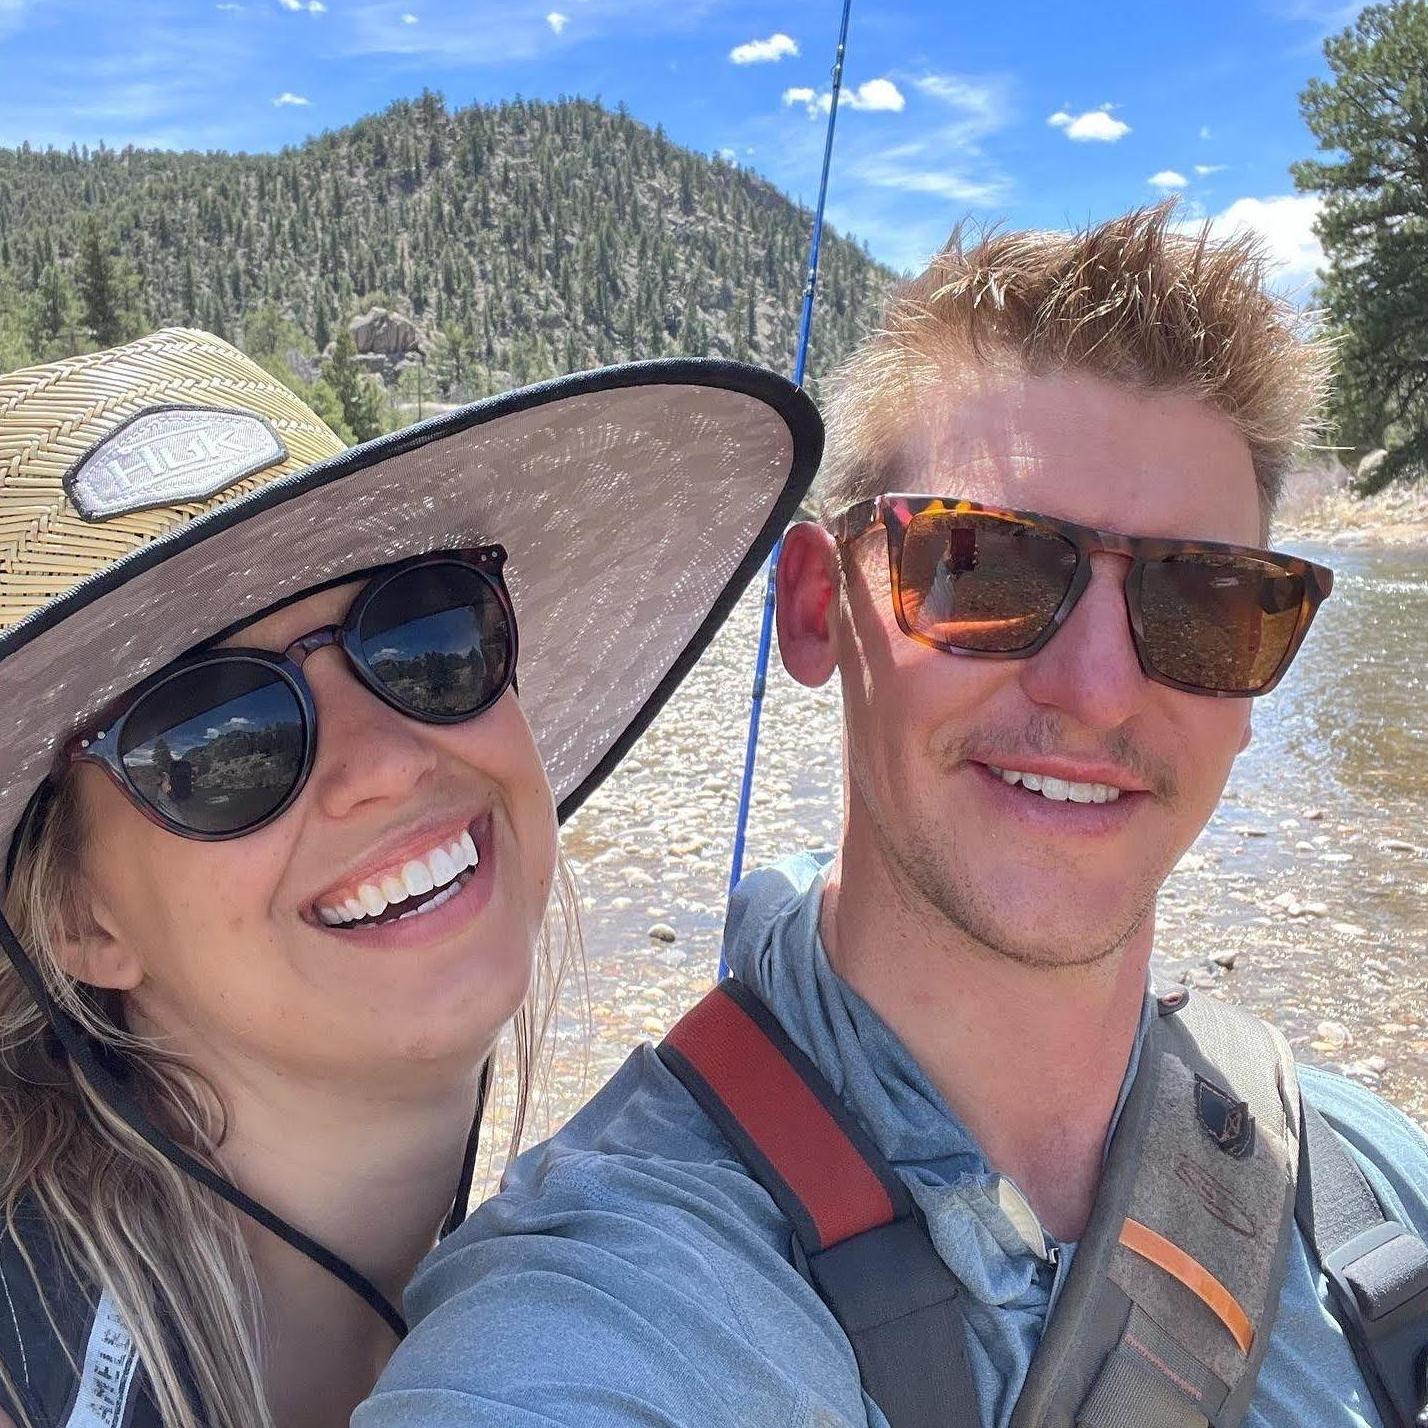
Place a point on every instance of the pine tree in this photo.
(52, 315)
(1374, 228)
(104, 288)
(356, 392)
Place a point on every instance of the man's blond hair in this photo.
(1135, 300)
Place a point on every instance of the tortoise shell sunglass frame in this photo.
(1170, 585)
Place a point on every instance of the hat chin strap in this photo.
(82, 1050)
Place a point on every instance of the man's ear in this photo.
(808, 584)
(91, 952)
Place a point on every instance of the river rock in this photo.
(1397, 845)
(663, 932)
(1313, 815)
(1225, 958)
(1334, 1035)
(1348, 929)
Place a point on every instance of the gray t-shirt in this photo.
(632, 1273)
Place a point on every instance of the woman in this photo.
(282, 837)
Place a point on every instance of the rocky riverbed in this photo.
(1306, 898)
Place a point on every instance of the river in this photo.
(1306, 898)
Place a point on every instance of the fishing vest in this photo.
(69, 1359)
(1165, 1315)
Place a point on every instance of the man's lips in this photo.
(1111, 775)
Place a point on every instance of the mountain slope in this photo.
(523, 239)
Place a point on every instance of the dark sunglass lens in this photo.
(982, 582)
(439, 639)
(218, 747)
(1218, 622)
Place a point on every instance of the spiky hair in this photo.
(1137, 300)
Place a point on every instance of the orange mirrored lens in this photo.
(1218, 622)
(982, 582)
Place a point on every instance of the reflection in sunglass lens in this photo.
(980, 582)
(439, 639)
(1218, 622)
(218, 747)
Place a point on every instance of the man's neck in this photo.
(1030, 1058)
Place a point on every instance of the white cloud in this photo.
(778, 46)
(1205, 170)
(1285, 224)
(291, 4)
(889, 170)
(316, 7)
(1205, 131)
(728, 155)
(1168, 179)
(227, 9)
(1095, 125)
(876, 94)
(557, 21)
(288, 98)
(409, 19)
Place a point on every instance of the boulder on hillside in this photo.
(385, 334)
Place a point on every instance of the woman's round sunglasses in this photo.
(221, 742)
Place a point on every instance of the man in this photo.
(1032, 740)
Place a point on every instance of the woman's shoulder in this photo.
(66, 1358)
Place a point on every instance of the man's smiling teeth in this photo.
(437, 872)
(1059, 790)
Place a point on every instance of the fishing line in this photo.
(800, 361)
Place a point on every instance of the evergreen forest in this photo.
(520, 240)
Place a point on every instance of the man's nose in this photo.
(1089, 669)
(367, 753)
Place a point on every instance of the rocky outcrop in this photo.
(386, 334)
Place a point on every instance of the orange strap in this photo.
(1144, 1241)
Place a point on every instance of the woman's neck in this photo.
(367, 1173)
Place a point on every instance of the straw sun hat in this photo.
(154, 495)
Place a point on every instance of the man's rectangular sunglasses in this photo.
(221, 742)
(1224, 620)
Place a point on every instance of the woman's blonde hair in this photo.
(169, 1252)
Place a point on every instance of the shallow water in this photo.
(1312, 879)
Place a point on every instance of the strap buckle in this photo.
(1380, 1281)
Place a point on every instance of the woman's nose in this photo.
(367, 752)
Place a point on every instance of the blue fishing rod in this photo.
(800, 361)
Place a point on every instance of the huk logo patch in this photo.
(169, 455)
(1229, 1122)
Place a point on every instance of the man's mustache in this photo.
(1047, 734)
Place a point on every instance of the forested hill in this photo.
(521, 239)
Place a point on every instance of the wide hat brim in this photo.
(635, 504)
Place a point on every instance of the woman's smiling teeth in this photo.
(441, 872)
(1059, 790)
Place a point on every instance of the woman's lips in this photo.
(433, 913)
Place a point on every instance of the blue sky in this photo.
(1035, 112)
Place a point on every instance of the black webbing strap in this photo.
(860, 1241)
(1377, 1272)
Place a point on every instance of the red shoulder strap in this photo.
(778, 1111)
(864, 1248)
